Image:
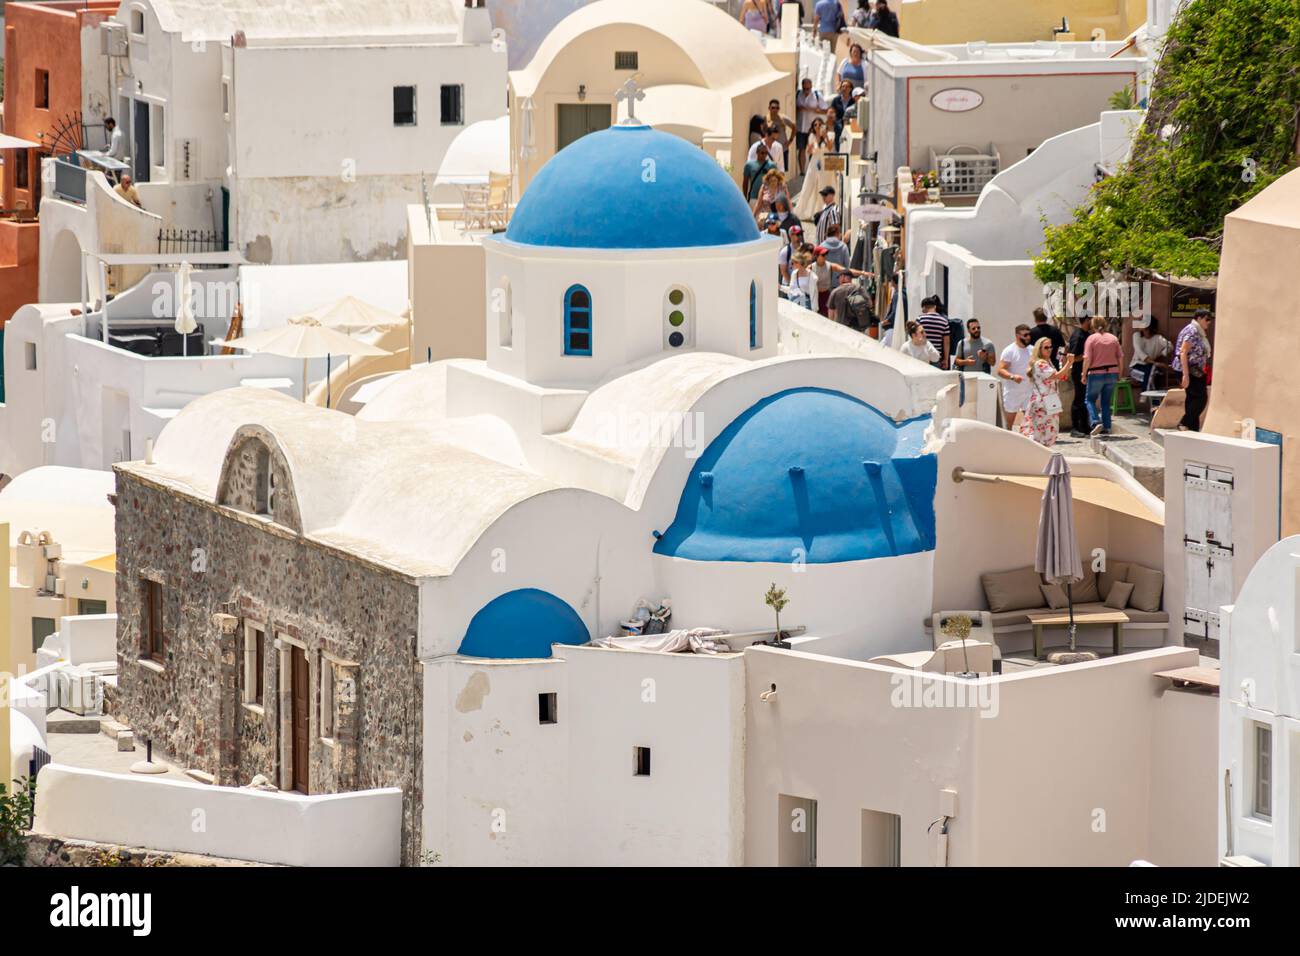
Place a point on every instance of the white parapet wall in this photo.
(362, 828)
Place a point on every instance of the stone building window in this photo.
(326, 698)
(42, 89)
(254, 664)
(641, 761)
(152, 627)
(265, 483)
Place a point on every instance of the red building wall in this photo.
(38, 37)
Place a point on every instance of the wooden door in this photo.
(576, 120)
(300, 689)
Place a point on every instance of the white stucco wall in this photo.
(1031, 762)
(362, 828)
(1260, 686)
(500, 788)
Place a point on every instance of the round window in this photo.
(676, 296)
(676, 339)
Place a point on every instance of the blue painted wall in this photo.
(809, 469)
(522, 623)
(631, 187)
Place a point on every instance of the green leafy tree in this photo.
(15, 819)
(1221, 126)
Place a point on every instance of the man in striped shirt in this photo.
(828, 214)
(936, 329)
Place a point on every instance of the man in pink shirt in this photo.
(1102, 365)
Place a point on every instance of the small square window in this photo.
(546, 709)
(403, 106)
(42, 89)
(641, 761)
(137, 22)
(453, 105)
(626, 60)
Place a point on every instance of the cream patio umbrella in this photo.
(304, 341)
(351, 315)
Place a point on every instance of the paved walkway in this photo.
(98, 752)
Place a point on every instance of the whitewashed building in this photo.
(291, 132)
(1259, 727)
(978, 259)
(649, 423)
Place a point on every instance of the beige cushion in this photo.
(1147, 587)
(1115, 571)
(1054, 594)
(1012, 590)
(1118, 595)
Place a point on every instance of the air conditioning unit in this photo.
(113, 40)
(187, 160)
(80, 693)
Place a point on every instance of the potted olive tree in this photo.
(775, 599)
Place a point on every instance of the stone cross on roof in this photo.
(632, 94)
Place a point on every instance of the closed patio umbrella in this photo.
(1057, 553)
(185, 323)
(302, 341)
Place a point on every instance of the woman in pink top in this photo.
(1102, 367)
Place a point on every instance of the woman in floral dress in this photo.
(1041, 418)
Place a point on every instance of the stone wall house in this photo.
(217, 578)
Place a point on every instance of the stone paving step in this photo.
(65, 722)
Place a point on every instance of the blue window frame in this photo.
(753, 315)
(577, 321)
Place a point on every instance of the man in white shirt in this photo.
(1150, 349)
(809, 105)
(1013, 367)
(774, 149)
(116, 141)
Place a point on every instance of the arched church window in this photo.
(679, 318)
(577, 321)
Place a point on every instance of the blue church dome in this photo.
(631, 187)
(808, 471)
(522, 623)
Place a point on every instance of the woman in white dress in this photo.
(819, 143)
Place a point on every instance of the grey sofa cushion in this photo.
(1115, 572)
(1012, 590)
(1148, 585)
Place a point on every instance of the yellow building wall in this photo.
(1012, 21)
